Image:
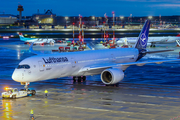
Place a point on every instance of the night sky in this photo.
(94, 7)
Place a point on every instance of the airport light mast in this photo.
(82, 34)
(104, 30)
(80, 27)
(20, 9)
(66, 21)
(106, 26)
(113, 27)
(73, 36)
(121, 17)
(94, 20)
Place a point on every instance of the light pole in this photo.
(93, 18)
(82, 33)
(104, 30)
(66, 18)
(73, 36)
(106, 26)
(121, 17)
(80, 27)
(113, 26)
(150, 17)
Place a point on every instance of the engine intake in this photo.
(112, 76)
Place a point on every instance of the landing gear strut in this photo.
(84, 78)
(152, 45)
(79, 78)
(26, 84)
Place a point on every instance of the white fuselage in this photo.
(160, 40)
(42, 67)
(40, 40)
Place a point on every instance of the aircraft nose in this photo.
(16, 76)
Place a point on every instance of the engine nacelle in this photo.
(112, 76)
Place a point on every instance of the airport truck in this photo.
(14, 93)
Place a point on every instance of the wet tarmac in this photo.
(150, 92)
(67, 100)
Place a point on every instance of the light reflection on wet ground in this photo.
(82, 101)
(148, 92)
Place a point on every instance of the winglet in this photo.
(31, 49)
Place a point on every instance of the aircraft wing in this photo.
(105, 66)
(147, 62)
(96, 67)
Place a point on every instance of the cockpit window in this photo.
(23, 66)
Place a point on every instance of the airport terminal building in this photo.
(6, 19)
(48, 19)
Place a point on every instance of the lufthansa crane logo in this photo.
(143, 39)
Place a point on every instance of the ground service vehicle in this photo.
(14, 93)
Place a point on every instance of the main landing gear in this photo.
(152, 45)
(114, 85)
(79, 78)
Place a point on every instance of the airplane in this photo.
(110, 63)
(151, 40)
(35, 40)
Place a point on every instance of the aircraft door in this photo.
(41, 68)
(112, 57)
(73, 62)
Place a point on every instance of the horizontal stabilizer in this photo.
(158, 51)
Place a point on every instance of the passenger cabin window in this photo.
(23, 66)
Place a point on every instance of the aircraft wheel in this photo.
(154, 46)
(13, 97)
(33, 92)
(113, 85)
(74, 78)
(79, 79)
(84, 78)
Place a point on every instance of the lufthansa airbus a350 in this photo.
(110, 63)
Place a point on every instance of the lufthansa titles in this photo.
(55, 60)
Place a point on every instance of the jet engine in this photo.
(112, 76)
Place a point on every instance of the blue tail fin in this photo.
(143, 37)
(21, 36)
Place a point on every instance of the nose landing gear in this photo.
(29, 92)
(26, 84)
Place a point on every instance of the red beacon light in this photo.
(20, 33)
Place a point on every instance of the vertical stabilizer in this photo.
(21, 36)
(143, 37)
